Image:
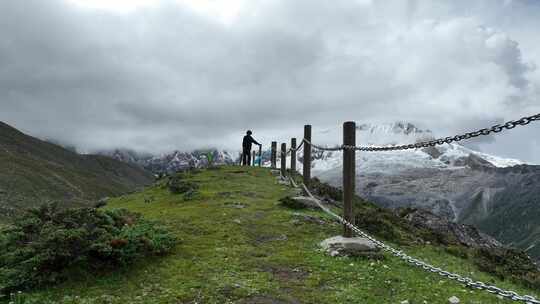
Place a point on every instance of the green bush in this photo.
(289, 202)
(508, 263)
(177, 185)
(46, 242)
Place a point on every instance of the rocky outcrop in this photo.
(465, 234)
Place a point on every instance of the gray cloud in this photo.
(164, 77)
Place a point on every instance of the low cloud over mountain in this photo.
(166, 76)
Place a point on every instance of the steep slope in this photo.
(239, 245)
(454, 181)
(33, 171)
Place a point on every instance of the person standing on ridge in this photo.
(246, 148)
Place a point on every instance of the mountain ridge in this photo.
(169, 163)
(33, 172)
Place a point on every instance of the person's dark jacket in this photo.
(248, 141)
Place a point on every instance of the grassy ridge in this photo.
(240, 246)
(33, 172)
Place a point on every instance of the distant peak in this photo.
(399, 132)
(398, 127)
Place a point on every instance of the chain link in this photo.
(447, 140)
(300, 146)
(421, 264)
(297, 148)
(337, 148)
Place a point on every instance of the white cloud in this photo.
(166, 76)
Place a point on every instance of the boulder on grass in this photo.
(356, 246)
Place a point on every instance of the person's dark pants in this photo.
(246, 157)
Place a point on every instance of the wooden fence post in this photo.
(273, 155)
(293, 156)
(307, 155)
(284, 159)
(260, 156)
(349, 175)
(253, 158)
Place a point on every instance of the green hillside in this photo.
(240, 245)
(33, 172)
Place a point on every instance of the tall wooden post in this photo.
(349, 175)
(260, 156)
(273, 155)
(253, 158)
(307, 155)
(284, 159)
(293, 155)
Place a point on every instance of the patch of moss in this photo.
(458, 251)
(191, 194)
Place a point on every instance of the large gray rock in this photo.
(341, 246)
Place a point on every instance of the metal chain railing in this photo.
(450, 139)
(509, 294)
(445, 140)
(336, 148)
(398, 253)
(300, 146)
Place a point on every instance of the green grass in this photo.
(259, 254)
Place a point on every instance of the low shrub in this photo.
(289, 202)
(458, 251)
(177, 185)
(325, 190)
(45, 243)
(507, 263)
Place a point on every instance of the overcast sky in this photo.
(161, 75)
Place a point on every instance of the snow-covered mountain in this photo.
(498, 195)
(175, 161)
(448, 156)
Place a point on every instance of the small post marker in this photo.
(293, 155)
(260, 156)
(273, 156)
(349, 175)
(307, 155)
(284, 159)
(253, 158)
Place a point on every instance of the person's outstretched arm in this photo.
(254, 141)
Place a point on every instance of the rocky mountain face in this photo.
(466, 235)
(175, 161)
(34, 172)
(499, 196)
